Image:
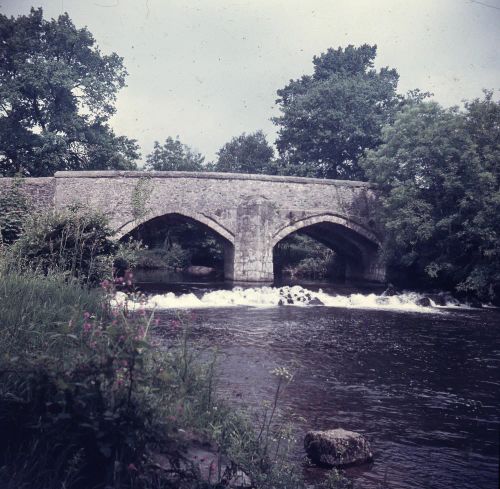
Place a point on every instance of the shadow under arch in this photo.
(357, 247)
(165, 217)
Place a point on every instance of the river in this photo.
(421, 383)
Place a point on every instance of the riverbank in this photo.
(89, 396)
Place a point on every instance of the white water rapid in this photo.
(296, 296)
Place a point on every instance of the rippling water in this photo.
(422, 385)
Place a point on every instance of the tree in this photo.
(330, 118)
(57, 93)
(174, 156)
(247, 153)
(438, 172)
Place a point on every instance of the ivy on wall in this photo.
(15, 207)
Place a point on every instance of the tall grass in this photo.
(34, 307)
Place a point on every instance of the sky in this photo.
(208, 70)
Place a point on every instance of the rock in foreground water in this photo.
(337, 448)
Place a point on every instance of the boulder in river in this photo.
(199, 271)
(337, 448)
(424, 302)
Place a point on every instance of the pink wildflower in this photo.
(86, 315)
(175, 323)
(131, 468)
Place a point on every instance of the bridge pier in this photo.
(253, 255)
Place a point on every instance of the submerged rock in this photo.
(337, 448)
(424, 302)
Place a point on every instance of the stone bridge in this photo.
(249, 213)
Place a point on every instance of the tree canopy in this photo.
(174, 156)
(247, 153)
(57, 93)
(438, 171)
(330, 118)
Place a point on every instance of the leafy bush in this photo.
(75, 242)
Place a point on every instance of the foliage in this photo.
(57, 92)
(299, 255)
(14, 210)
(176, 242)
(247, 153)
(329, 118)
(174, 156)
(173, 257)
(75, 242)
(439, 175)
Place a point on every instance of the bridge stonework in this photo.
(250, 213)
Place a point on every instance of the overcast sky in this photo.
(208, 70)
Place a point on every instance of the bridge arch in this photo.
(324, 218)
(226, 238)
(210, 223)
(357, 246)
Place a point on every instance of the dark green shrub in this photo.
(75, 242)
(173, 257)
(301, 256)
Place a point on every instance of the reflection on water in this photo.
(424, 387)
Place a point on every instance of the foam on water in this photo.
(265, 297)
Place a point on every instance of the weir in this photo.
(250, 213)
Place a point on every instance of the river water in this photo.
(421, 383)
